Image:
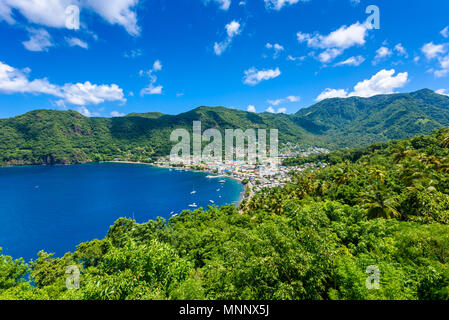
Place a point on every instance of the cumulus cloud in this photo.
(337, 41)
(152, 88)
(52, 13)
(223, 4)
(383, 82)
(437, 51)
(284, 100)
(332, 93)
(279, 4)
(277, 49)
(117, 114)
(73, 42)
(400, 50)
(232, 29)
(352, 61)
(13, 80)
(279, 110)
(40, 40)
(443, 92)
(432, 50)
(254, 76)
(382, 53)
(251, 108)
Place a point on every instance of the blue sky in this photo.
(172, 56)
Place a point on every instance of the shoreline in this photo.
(237, 203)
(242, 195)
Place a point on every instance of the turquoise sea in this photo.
(54, 208)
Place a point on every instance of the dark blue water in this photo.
(54, 208)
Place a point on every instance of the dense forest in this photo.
(386, 206)
(67, 137)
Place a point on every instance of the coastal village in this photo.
(268, 174)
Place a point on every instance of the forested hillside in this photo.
(64, 137)
(385, 206)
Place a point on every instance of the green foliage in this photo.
(385, 206)
(67, 137)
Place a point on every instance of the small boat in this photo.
(193, 192)
(218, 189)
(211, 201)
(222, 181)
(193, 205)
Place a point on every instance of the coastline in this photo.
(242, 195)
(237, 203)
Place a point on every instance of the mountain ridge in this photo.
(50, 136)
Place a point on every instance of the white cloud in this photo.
(352, 61)
(157, 66)
(279, 4)
(232, 29)
(280, 110)
(383, 82)
(277, 48)
(254, 76)
(382, 53)
(117, 114)
(5, 13)
(224, 4)
(343, 38)
(443, 92)
(77, 42)
(293, 98)
(251, 108)
(444, 64)
(13, 81)
(116, 12)
(40, 40)
(332, 93)
(400, 50)
(445, 32)
(51, 13)
(329, 55)
(133, 53)
(84, 111)
(283, 100)
(152, 88)
(432, 50)
(337, 41)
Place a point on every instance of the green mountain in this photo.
(62, 137)
(355, 121)
(381, 209)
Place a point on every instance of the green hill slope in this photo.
(62, 137)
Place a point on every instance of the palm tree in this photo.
(446, 140)
(378, 205)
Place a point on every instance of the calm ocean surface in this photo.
(54, 208)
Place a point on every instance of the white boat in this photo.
(222, 181)
(211, 201)
(193, 205)
(218, 189)
(193, 192)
